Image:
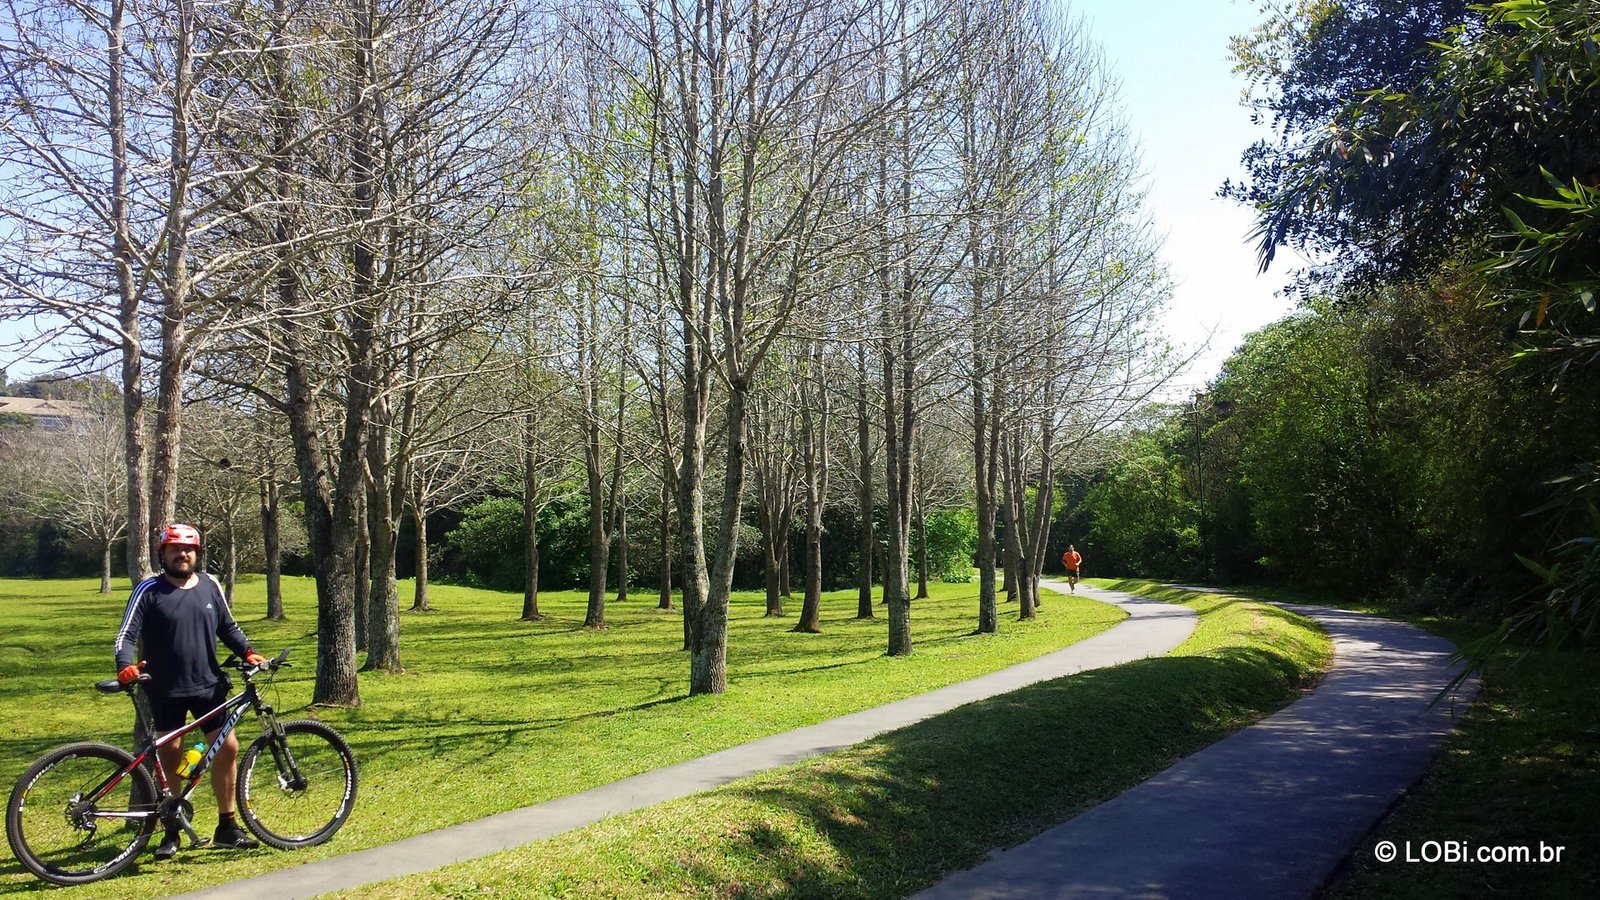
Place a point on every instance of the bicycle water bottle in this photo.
(191, 758)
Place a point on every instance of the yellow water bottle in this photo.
(191, 758)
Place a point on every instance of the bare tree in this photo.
(219, 490)
(774, 415)
(109, 155)
(73, 476)
(815, 418)
(747, 125)
(397, 195)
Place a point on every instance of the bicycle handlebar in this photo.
(112, 685)
(269, 665)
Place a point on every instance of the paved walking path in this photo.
(1151, 629)
(1267, 812)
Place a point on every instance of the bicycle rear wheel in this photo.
(61, 834)
(297, 791)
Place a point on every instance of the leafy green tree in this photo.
(489, 542)
(1468, 132)
(1461, 151)
(952, 540)
(1314, 186)
(1141, 520)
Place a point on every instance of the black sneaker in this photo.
(169, 845)
(229, 834)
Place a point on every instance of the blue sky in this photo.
(1182, 105)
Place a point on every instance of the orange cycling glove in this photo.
(254, 659)
(129, 674)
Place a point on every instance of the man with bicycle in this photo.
(169, 632)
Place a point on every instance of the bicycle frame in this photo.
(239, 703)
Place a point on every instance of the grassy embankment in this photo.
(894, 814)
(495, 713)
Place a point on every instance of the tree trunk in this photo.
(867, 540)
(175, 287)
(622, 557)
(814, 440)
(769, 477)
(772, 575)
(288, 296)
(362, 584)
(272, 545)
(783, 557)
(984, 451)
(336, 682)
(922, 552)
(530, 523)
(599, 557)
(383, 501)
(332, 540)
(133, 436)
(1017, 563)
(1044, 499)
(899, 428)
(691, 517)
(530, 580)
(105, 567)
(1008, 517)
(811, 608)
(419, 602)
(383, 623)
(230, 574)
(664, 572)
(133, 426)
(329, 497)
(708, 659)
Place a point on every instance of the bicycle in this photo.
(84, 811)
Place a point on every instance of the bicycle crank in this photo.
(176, 813)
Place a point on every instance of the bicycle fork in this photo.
(288, 773)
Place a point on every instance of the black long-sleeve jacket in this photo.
(175, 630)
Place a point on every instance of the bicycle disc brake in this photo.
(80, 815)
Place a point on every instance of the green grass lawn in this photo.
(494, 713)
(893, 815)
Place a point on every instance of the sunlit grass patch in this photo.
(494, 713)
(891, 816)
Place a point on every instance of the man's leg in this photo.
(224, 770)
(224, 775)
(170, 756)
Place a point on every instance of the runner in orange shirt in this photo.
(1072, 559)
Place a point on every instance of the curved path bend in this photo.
(1267, 812)
(1151, 629)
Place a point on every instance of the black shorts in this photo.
(169, 713)
(1072, 573)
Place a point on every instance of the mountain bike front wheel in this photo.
(81, 814)
(297, 790)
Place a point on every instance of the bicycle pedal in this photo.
(202, 842)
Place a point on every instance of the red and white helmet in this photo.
(179, 534)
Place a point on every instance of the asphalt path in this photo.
(1151, 629)
(1267, 812)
